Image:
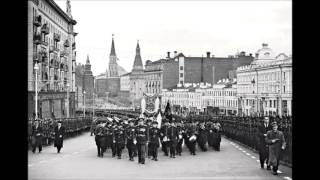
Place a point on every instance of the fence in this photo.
(73, 127)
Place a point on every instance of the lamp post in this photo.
(84, 103)
(36, 68)
(68, 103)
(93, 107)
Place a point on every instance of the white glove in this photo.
(134, 141)
(60, 136)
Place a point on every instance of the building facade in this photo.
(153, 77)
(51, 47)
(196, 98)
(265, 86)
(208, 69)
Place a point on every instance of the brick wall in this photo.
(113, 86)
(170, 74)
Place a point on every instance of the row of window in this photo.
(214, 103)
(273, 76)
(52, 14)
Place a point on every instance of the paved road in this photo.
(78, 161)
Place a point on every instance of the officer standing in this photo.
(202, 138)
(180, 129)
(277, 143)
(99, 133)
(173, 137)
(120, 140)
(164, 137)
(217, 135)
(154, 133)
(37, 134)
(262, 146)
(142, 140)
(191, 135)
(130, 136)
(59, 131)
(149, 125)
(113, 146)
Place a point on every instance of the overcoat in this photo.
(58, 136)
(37, 135)
(275, 148)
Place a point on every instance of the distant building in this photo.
(208, 69)
(88, 82)
(153, 77)
(265, 86)
(125, 85)
(199, 97)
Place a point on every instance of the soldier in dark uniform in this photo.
(154, 134)
(113, 147)
(217, 135)
(99, 138)
(164, 137)
(209, 127)
(142, 140)
(130, 135)
(37, 134)
(180, 130)
(263, 146)
(109, 135)
(192, 137)
(202, 137)
(173, 137)
(59, 131)
(149, 125)
(120, 139)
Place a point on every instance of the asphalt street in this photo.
(78, 161)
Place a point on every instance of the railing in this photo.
(45, 29)
(37, 38)
(73, 127)
(66, 43)
(56, 37)
(37, 21)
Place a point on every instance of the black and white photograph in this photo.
(159, 90)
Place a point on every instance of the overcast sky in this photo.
(190, 27)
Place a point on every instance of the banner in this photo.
(159, 120)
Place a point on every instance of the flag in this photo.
(167, 111)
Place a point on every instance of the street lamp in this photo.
(84, 103)
(36, 68)
(93, 106)
(68, 85)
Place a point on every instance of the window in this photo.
(181, 75)
(284, 89)
(274, 103)
(181, 67)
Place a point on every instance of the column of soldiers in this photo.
(270, 136)
(142, 137)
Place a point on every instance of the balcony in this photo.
(64, 53)
(66, 43)
(36, 57)
(37, 39)
(73, 46)
(44, 43)
(56, 37)
(37, 21)
(45, 29)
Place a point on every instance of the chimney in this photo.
(208, 54)
(257, 54)
(202, 69)
(175, 53)
(168, 54)
(265, 45)
(250, 54)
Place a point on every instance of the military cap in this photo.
(154, 122)
(59, 121)
(140, 119)
(274, 123)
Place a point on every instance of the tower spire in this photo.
(137, 65)
(88, 61)
(113, 50)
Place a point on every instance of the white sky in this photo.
(190, 27)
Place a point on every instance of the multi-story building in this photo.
(209, 69)
(153, 77)
(125, 85)
(265, 86)
(192, 97)
(51, 48)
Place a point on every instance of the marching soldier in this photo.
(113, 146)
(217, 135)
(180, 130)
(149, 125)
(37, 134)
(119, 140)
(164, 137)
(99, 138)
(154, 133)
(142, 140)
(59, 131)
(109, 135)
(191, 135)
(277, 143)
(130, 135)
(202, 137)
(263, 147)
(173, 137)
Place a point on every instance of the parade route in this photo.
(78, 160)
